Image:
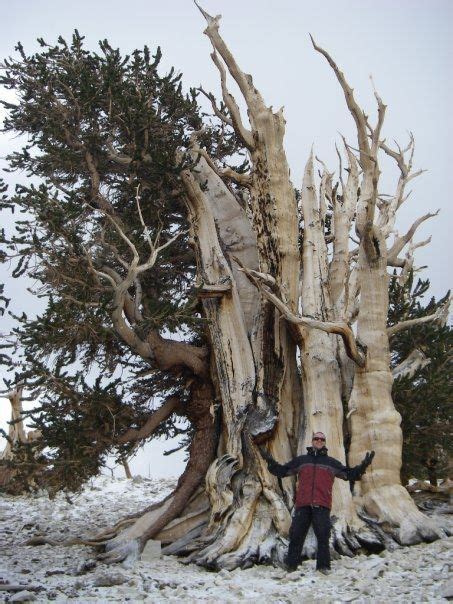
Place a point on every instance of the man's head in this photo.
(319, 440)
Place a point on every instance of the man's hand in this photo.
(368, 459)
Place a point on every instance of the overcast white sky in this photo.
(405, 44)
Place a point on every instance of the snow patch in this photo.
(47, 573)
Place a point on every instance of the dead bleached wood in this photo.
(274, 217)
(412, 363)
(16, 430)
(440, 316)
(331, 327)
(375, 423)
(323, 406)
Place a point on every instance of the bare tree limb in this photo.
(242, 79)
(233, 107)
(169, 407)
(357, 113)
(440, 316)
(243, 180)
(334, 327)
(400, 242)
(381, 115)
(412, 363)
(226, 120)
(123, 160)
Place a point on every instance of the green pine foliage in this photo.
(103, 134)
(424, 400)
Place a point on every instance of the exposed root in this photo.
(259, 543)
(234, 531)
(398, 516)
(218, 481)
(126, 522)
(128, 552)
(187, 544)
(346, 539)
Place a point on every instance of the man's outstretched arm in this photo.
(280, 470)
(356, 472)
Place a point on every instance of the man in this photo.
(316, 473)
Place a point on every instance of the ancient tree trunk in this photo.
(127, 469)
(375, 422)
(275, 221)
(16, 432)
(321, 379)
(233, 502)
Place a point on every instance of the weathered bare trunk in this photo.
(235, 480)
(321, 379)
(127, 470)
(375, 422)
(16, 431)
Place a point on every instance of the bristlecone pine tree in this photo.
(210, 286)
(422, 371)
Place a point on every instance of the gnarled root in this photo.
(347, 538)
(261, 544)
(229, 534)
(393, 510)
(247, 518)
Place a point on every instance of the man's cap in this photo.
(318, 434)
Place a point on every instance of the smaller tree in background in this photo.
(422, 367)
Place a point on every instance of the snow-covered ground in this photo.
(60, 574)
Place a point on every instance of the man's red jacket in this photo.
(316, 473)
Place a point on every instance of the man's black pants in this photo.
(302, 518)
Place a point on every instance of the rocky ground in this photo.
(60, 574)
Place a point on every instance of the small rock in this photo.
(152, 550)
(109, 579)
(23, 596)
(52, 595)
(149, 585)
(55, 571)
(447, 590)
(84, 566)
(130, 594)
(294, 576)
(364, 587)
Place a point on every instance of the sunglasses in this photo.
(319, 438)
